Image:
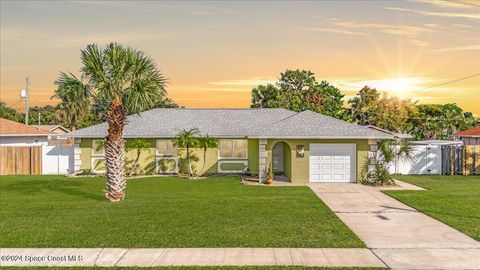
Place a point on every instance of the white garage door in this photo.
(332, 162)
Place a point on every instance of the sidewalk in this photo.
(401, 236)
(109, 257)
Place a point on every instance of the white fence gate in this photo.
(57, 159)
(427, 159)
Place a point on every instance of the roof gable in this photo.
(10, 128)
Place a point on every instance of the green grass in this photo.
(454, 200)
(56, 211)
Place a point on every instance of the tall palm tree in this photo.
(129, 81)
(205, 143)
(74, 98)
(187, 139)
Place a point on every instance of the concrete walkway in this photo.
(401, 236)
(109, 257)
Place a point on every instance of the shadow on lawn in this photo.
(67, 187)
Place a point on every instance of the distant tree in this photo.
(370, 107)
(364, 107)
(265, 96)
(187, 139)
(10, 113)
(74, 97)
(166, 102)
(437, 121)
(298, 90)
(48, 115)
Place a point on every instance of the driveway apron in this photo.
(401, 236)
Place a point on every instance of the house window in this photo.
(166, 148)
(98, 147)
(233, 149)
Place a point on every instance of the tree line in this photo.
(72, 112)
(299, 90)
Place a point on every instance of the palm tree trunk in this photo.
(189, 162)
(114, 155)
(204, 159)
(135, 163)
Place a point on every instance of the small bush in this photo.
(379, 177)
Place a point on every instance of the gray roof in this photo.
(240, 123)
(395, 134)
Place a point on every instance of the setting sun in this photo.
(398, 86)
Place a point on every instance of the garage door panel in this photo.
(332, 162)
(325, 166)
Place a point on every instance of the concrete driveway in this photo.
(401, 236)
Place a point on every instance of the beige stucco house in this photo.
(300, 147)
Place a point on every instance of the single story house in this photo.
(470, 136)
(17, 134)
(58, 129)
(300, 146)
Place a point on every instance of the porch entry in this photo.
(277, 158)
(281, 161)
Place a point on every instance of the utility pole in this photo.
(26, 101)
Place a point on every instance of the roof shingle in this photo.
(254, 123)
(474, 132)
(10, 128)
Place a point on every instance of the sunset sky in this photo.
(213, 53)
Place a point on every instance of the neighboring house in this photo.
(14, 133)
(469, 137)
(302, 147)
(27, 149)
(58, 129)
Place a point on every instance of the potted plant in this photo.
(269, 175)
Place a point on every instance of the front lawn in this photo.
(454, 200)
(56, 211)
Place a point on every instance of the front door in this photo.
(277, 158)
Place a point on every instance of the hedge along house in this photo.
(300, 147)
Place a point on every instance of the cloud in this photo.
(462, 25)
(159, 7)
(438, 14)
(462, 48)
(330, 30)
(449, 4)
(347, 27)
(246, 82)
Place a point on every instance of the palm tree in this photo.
(129, 82)
(187, 139)
(75, 99)
(265, 96)
(205, 143)
(390, 150)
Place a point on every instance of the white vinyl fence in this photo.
(427, 159)
(57, 159)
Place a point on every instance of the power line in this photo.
(13, 106)
(449, 82)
